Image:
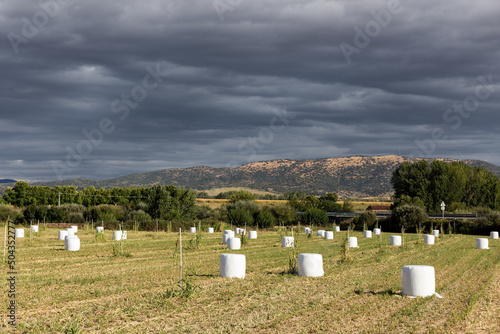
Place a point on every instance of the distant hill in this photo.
(350, 177)
(7, 181)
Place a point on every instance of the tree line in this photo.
(460, 186)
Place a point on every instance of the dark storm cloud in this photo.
(100, 89)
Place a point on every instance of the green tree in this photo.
(367, 218)
(315, 216)
(265, 219)
(409, 216)
(241, 195)
(240, 217)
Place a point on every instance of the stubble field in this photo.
(93, 290)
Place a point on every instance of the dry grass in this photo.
(94, 291)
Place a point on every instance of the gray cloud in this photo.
(227, 79)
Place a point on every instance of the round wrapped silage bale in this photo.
(232, 265)
(287, 242)
(117, 235)
(395, 240)
(234, 243)
(418, 281)
(310, 265)
(72, 243)
(353, 242)
(62, 234)
(428, 239)
(19, 233)
(482, 243)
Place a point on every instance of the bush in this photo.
(367, 218)
(265, 219)
(56, 215)
(76, 218)
(315, 216)
(73, 208)
(7, 210)
(240, 217)
(409, 216)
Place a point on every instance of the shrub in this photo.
(76, 218)
(241, 216)
(367, 219)
(409, 216)
(7, 210)
(265, 219)
(315, 216)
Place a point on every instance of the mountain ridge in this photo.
(350, 177)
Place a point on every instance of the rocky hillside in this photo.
(355, 176)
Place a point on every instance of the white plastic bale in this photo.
(494, 235)
(72, 243)
(482, 243)
(337, 228)
(428, 239)
(62, 235)
(34, 228)
(124, 235)
(232, 266)
(192, 230)
(367, 234)
(243, 231)
(310, 265)
(99, 229)
(287, 242)
(307, 230)
(234, 243)
(320, 233)
(353, 242)
(117, 235)
(395, 240)
(19, 233)
(210, 230)
(376, 231)
(237, 230)
(225, 238)
(435, 233)
(418, 281)
(329, 235)
(70, 231)
(252, 235)
(74, 228)
(229, 232)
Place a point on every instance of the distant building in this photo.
(378, 208)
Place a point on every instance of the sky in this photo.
(99, 89)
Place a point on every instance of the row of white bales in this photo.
(416, 280)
